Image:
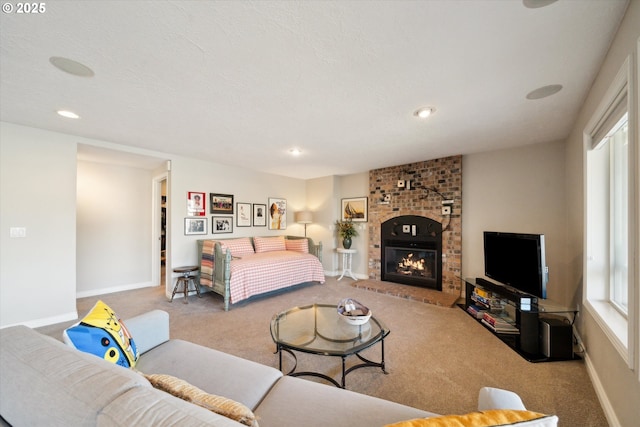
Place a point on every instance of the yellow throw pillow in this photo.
(218, 404)
(494, 417)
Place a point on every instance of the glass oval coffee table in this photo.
(318, 329)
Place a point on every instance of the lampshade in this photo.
(303, 217)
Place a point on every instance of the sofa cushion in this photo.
(493, 417)
(150, 329)
(150, 407)
(218, 404)
(216, 372)
(497, 398)
(103, 334)
(297, 245)
(45, 382)
(269, 244)
(238, 247)
(296, 401)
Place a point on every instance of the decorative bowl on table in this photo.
(353, 312)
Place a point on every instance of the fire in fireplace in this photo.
(411, 251)
(415, 263)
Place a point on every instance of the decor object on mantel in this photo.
(346, 230)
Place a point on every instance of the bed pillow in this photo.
(238, 247)
(269, 244)
(494, 417)
(103, 334)
(218, 404)
(297, 245)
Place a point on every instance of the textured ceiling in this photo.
(241, 83)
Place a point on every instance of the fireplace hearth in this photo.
(412, 251)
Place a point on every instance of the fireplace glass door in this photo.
(410, 265)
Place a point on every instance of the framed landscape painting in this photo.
(355, 209)
(277, 214)
(221, 203)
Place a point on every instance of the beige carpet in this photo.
(437, 358)
(414, 293)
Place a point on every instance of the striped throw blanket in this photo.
(207, 263)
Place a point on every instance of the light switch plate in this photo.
(17, 232)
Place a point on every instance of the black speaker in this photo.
(556, 338)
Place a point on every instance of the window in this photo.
(619, 200)
(609, 215)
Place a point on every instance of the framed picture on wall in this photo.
(277, 214)
(259, 215)
(221, 203)
(195, 226)
(221, 224)
(355, 209)
(243, 214)
(196, 204)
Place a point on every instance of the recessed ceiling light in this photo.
(544, 91)
(423, 113)
(68, 114)
(70, 66)
(536, 4)
(295, 151)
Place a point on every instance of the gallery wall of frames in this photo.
(219, 214)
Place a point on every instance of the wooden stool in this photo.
(185, 279)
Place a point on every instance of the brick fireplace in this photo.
(412, 194)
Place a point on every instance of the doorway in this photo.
(160, 229)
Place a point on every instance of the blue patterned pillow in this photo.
(101, 333)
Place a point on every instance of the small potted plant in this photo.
(346, 230)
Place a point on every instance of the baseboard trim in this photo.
(46, 321)
(338, 273)
(609, 413)
(113, 289)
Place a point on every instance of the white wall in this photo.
(518, 190)
(356, 185)
(37, 192)
(322, 202)
(324, 197)
(113, 214)
(617, 385)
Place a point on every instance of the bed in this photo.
(241, 268)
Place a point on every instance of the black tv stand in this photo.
(505, 291)
(525, 314)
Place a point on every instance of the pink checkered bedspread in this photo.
(269, 271)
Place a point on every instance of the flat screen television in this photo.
(517, 260)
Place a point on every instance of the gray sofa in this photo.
(45, 382)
